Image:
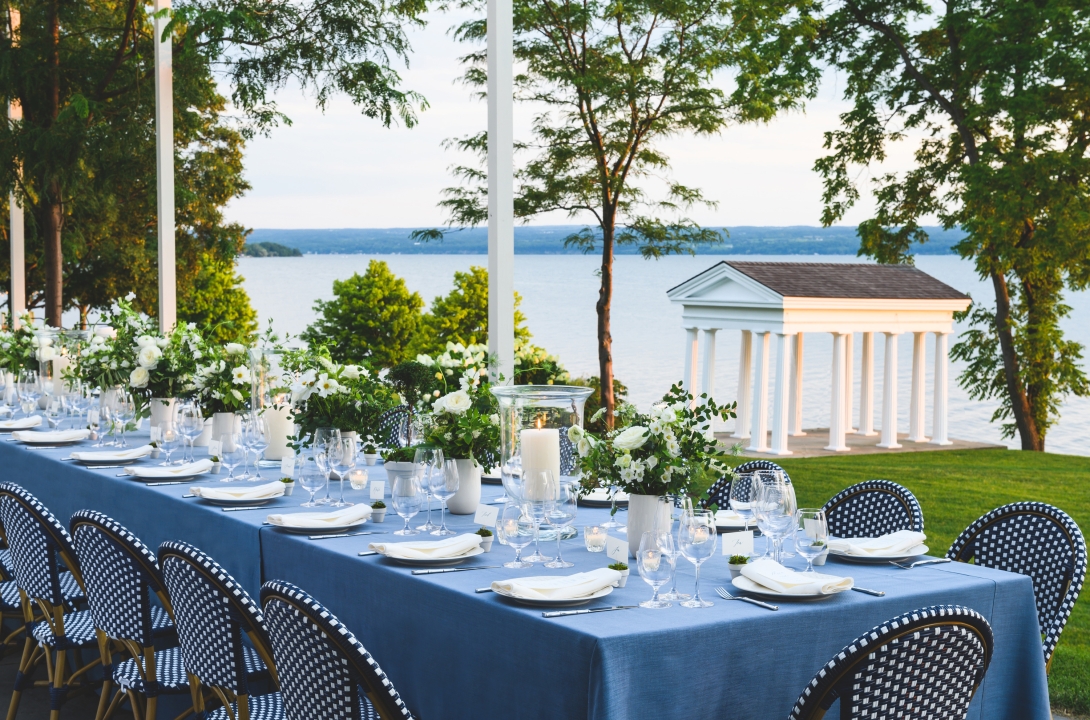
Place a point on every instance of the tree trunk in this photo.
(53, 212)
(1020, 406)
(605, 339)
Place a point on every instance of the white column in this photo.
(17, 293)
(164, 167)
(849, 381)
(866, 387)
(917, 406)
(796, 390)
(745, 377)
(692, 336)
(836, 410)
(758, 441)
(889, 396)
(707, 384)
(780, 400)
(501, 187)
(940, 422)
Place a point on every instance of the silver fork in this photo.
(932, 561)
(722, 592)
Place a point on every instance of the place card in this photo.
(287, 464)
(214, 448)
(378, 489)
(738, 543)
(486, 515)
(617, 549)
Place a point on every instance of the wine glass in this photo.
(259, 440)
(341, 453)
(231, 454)
(310, 477)
(98, 420)
(653, 564)
(406, 498)
(11, 394)
(427, 461)
(562, 514)
(670, 547)
(444, 485)
(190, 423)
(516, 530)
(321, 437)
(28, 391)
(125, 412)
(539, 493)
(811, 535)
(169, 438)
(742, 491)
(611, 523)
(696, 540)
(775, 512)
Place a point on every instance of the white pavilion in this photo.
(787, 300)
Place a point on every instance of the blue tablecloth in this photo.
(453, 653)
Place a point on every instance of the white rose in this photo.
(234, 348)
(437, 404)
(105, 332)
(138, 378)
(456, 403)
(631, 438)
(148, 356)
(575, 433)
(584, 447)
(46, 354)
(351, 372)
(162, 342)
(145, 340)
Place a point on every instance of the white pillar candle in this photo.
(540, 451)
(281, 428)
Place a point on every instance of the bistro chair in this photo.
(325, 672)
(1038, 540)
(121, 574)
(719, 493)
(568, 453)
(871, 509)
(39, 546)
(392, 428)
(213, 614)
(926, 663)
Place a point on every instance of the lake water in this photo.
(559, 292)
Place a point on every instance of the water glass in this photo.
(811, 535)
(190, 423)
(696, 541)
(256, 431)
(310, 477)
(540, 490)
(319, 440)
(743, 490)
(612, 523)
(654, 566)
(125, 413)
(444, 484)
(517, 530)
(775, 508)
(231, 454)
(341, 454)
(428, 461)
(169, 439)
(561, 514)
(406, 497)
(595, 538)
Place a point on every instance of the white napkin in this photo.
(111, 455)
(429, 549)
(772, 575)
(728, 517)
(51, 436)
(255, 492)
(559, 587)
(172, 471)
(22, 423)
(602, 495)
(892, 544)
(341, 518)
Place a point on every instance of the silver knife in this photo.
(865, 591)
(172, 482)
(248, 507)
(344, 535)
(483, 590)
(565, 613)
(42, 447)
(448, 570)
(368, 552)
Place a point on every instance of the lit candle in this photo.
(651, 560)
(540, 451)
(595, 538)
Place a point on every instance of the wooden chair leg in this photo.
(26, 667)
(58, 682)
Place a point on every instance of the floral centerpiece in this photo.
(166, 364)
(223, 381)
(21, 349)
(107, 359)
(465, 425)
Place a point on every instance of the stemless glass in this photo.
(654, 567)
(231, 454)
(561, 515)
(406, 498)
(811, 535)
(539, 493)
(428, 462)
(444, 484)
(341, 453)
(516, 530)
(310, 477)
(169, 438)
(696, 540)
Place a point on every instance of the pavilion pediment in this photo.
(723, 285)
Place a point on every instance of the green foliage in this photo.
(738, 559)
(217, 302)
(270, 249)
(619, 567)
(371, 318)
(993, 95)
(413, 381)
(403, 454)
(484, 532)
(378, 505)
(593, 420)
(465, 425)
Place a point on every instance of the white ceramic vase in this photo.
(162, 411)
(643, 510)
(468, 497)
(226, 424)
(395, 470)
(206, 434)
(281, 428)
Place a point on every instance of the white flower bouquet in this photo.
(223, 381)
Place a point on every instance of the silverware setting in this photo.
(368, 552)
(344, 535)
(450, 570)
(565, 613)
(189, 495)
(247, 507)
(42, 447)
(722, 592)
(932, 561)
(865, 591)
(170, 482)
(483, 590)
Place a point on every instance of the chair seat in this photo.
(161, 624)
(79, 630)
(169, 669)
(367, 710)
(262, 707)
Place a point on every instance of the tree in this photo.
(610, 82)
(216, 300)
(996, 94)
(371, 318)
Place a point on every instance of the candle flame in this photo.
(540, 422)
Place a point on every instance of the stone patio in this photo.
(813, 443)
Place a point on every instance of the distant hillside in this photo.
(270, 249)
(549, 240)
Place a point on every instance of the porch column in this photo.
(692, 335)
(17, 291)
(889, 396)
(836, 411)
(780, 401)
(866, 387)
(707, 384)
(796, 390)
(758, 441)
(849, 381)
(940, 421)
(164, 169)
(916, 408)
(745, 377)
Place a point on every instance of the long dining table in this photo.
(453, 652)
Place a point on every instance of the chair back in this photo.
(1038, 540)
(392, 427)
(323, 667)
(120, 573)
(925, 663)
(212, 613)
(873, 508)
(719, 493)
(39, 545)
(567, 453)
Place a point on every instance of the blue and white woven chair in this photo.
(40, 546)
(1038, 540)
(873, 508)
(324, 670)
(121, 575)
(392, 428)
(213, 614)
(926, 663)
(719, 493)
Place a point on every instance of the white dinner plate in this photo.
(322, 529)
(879, 559)
(92, 463)
(31, 440)
(566, 602)
(491, 480)
(233, 503)
(436, 562)
(601, 499)
(746, 585)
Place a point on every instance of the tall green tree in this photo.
(609, 82)
(995, 94)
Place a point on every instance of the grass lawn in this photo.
(957, 487)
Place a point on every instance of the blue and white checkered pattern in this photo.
(871, 509)
(37, 540)
(719, 493)
(392, 427)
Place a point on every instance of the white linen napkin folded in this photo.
(22, 423)
(51, 436)
(891, 544)
(429, 549)
(772, 575)
(172, 471)
(602, 495)
(340, 518)
(559, 587)
(255, 492)
(728, 517)
(112, 455)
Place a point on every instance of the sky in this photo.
(339, 169)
